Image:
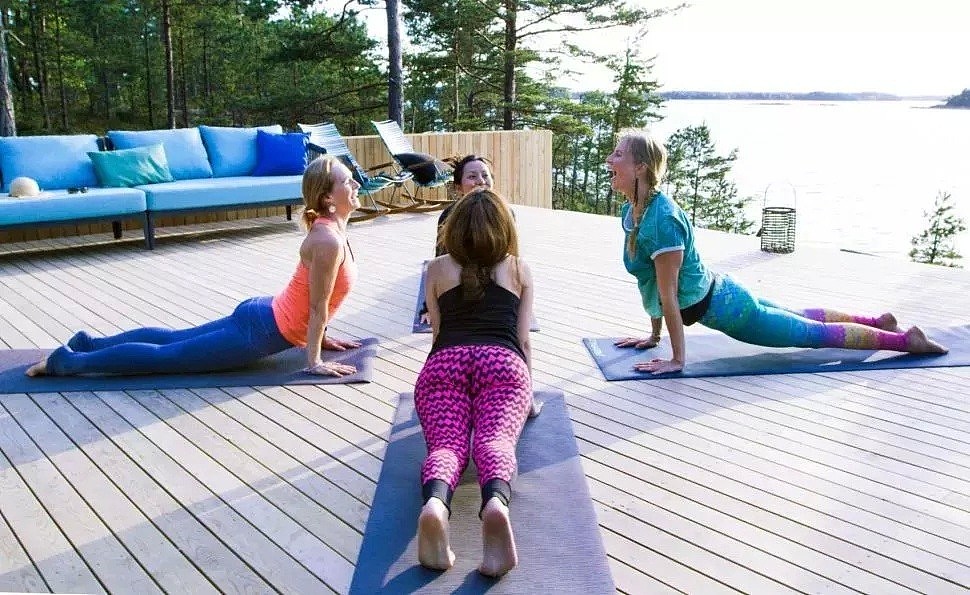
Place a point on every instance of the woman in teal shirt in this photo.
(675, 285)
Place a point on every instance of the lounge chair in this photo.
(326, 139)
(427, 171)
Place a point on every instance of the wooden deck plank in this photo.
(290, 479)
(792, 515)
(295, 511)
(17, 570)
(336, 475)
(213, 558)
(210, 507)
(107, 558)
(154, 552)
(308, 562)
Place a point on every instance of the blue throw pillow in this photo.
(280, 154)
(187, 159)
(125, 168)
(232, 151)
(59, 161)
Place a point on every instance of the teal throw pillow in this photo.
(280, 154)
(131, 167)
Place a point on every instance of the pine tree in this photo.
(934, 245)
(697, 178)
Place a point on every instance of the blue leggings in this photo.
(248, 334)
(736, 312)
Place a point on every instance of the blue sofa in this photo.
(210, 169)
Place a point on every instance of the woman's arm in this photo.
(526, 299)
(326, 254)
(668, 266)
(431, 298)
(656, 326)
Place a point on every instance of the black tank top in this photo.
(493, 320)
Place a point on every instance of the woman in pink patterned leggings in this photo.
(474, 392)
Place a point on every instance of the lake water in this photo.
(861, 173)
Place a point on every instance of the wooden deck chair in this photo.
(326, 139)
(427, 171)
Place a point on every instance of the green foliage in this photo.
(101, 65)
(934, 245)
(697, 178)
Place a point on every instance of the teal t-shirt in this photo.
(664, 227)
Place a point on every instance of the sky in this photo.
(903, 47)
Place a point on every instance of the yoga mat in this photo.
(277, 370)
(556, 532)
(717, 354)
(420, 327)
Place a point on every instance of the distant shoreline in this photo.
(783, 96)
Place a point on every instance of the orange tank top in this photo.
(291, 307)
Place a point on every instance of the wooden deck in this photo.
(815, 483)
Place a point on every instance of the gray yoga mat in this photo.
(556, 532)
(420, 327)
(717, 354)
(277, 370)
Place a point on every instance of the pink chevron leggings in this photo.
(485, 388)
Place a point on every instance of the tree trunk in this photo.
(183, 86)
(35, 33)
(148, 75)
(206, 79)
(169, 63)
(508, 90)
(60, 64)
(395, 67)
(8, 121)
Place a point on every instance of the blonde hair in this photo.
(648, 151)
(318, 183)
(479, 233)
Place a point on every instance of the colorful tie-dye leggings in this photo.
(736, 312)
(485, 388)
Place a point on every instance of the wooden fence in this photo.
(521, 162)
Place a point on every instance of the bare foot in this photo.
(918, 342)
(38, 369)
(434, 549)
(499, 555)
(887, 322)
(535, 409)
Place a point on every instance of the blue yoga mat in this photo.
(420, 327)
(556, 532)
(277, 370)
(717, 354)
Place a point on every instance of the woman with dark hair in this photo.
(259, 326)
(475, 390)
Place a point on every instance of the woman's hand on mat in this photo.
(659, 366)
(331, 344)
(331, 369)
(425, 318)
(638, 342)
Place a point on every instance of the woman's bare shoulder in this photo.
(321, 242)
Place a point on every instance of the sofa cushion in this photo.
(280, 154)
(232, 151)
(186, 155)
(60, 206)
(131, 167)
(215, 192)
(426, 168)
(54, 161)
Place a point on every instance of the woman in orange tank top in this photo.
(259, 326)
